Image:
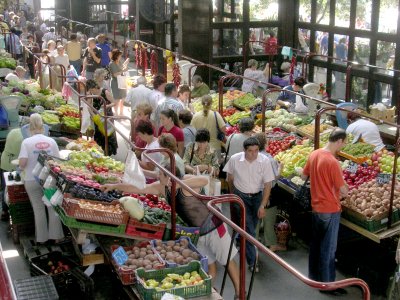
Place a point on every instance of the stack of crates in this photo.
(21, 212)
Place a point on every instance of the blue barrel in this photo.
(341, 116)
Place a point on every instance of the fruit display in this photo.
(197, 106)
(293, 158)
(84, 192)
(139, 257)
(276, 146)
(117, 209)
(358, 150)
(229, 111)
(72, 122)
(246, 101)
(68, 110)
(176, 252)
(236, 117)
(383, 161)
(231, 130)
(172, 281)
(50, 118)
(309, 130)
(372, 199)
(8, 62)
(233, 94)
(82, 144)
(361, 175)
(282, 118)
(297, 180)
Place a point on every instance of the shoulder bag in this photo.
(220, 134)
(303, 196)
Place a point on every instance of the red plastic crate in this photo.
(17, 193)
(148, 231)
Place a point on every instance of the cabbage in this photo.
(133, 206)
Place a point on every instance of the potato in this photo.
(149, 251)
(189, 259)
(146, 262)
(148, 267)
(184, 243)
(168, 249)
(186, 253)
(171, 243)
(158, 243)
(195, 256)
(177, 248)
(142, 254)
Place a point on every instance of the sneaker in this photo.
(257, 268)
(336, 292)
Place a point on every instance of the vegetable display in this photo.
(176, 252)
(276, 146)
(362, 174)
(246, 101)
(236, 117)
(293, 158)
(133, 206)
(145, 257)
(175, 281)
(358, 150)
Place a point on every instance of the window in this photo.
(260, 35)
(227, 42)
(338, 91)
(122, 9)
(305, 11)
(46, 4)
(362, 50)
(304, 40)
(323, 10)
(97, 12)
(47, 11)
(341, 46)
(385, 56)
(363, 14)
(359, 91)
(227, 10)
(342, 14)
(388, 14)
(321, 42)
(266, 10)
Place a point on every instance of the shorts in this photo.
(216, 247)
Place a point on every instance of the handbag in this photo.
(220, 134)
(99, 120)
(121, 80)
(133, 173)
(303, 196)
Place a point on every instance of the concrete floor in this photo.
(273, 282)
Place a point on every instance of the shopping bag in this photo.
(121, 80)
(133, 173)
(213, 187)
(303, 196)
(99, 120)
(299, 107)
(85, 118)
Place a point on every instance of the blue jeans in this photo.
(77, 65)
(252, 204)
(325, 229)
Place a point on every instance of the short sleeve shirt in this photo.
(175, 131)
(30, 149)
(248, 177)
(326, 179)
(92, 65)
(156, 156)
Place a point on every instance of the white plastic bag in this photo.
(57, 198)
(86, 120)
(213, 187)
(133, 173)
(50, 182)
(121, 80)
(46, 202)
(299, 106)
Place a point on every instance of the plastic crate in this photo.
(40, 287)
(17, 193)
(101, 228)
(203, 259)
(373, 224)
(191, 232)
(144, 230)
(73, 209)
(127, 275)
(147, 293)
(21, 212)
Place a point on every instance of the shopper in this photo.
(365, 129)
(13, 44)
(143, 112)
(327, 187)
(271, 44)
(183, 96)
(200, 157)
(234, 144)
(91, 59)
(100, 77)
(49, 36)
(249, 176)
(18, 75)
(211, 120)
(117, 68)
(74, 52)
(169, 102)
(200, 89)
(189, 132)
(168, 141)
(28, 156)
(157, 94)
(94, 89)
(169, 124)
(138, 95)
(105, 50)
(271, 211)
(214, 238)
(251, 72)
(288, 100)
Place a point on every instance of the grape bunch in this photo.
(83, 192)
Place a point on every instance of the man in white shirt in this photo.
(138, 95)
(247, 171)
(157, 94)
(18, 75)
(251, 72)
(49, 36)
(368, 131)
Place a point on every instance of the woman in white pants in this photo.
(30, 149)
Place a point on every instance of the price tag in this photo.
(120, 256)
(352, 167)
(383, 178)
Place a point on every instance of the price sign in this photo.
(352, 167)
(120, 256)
(383, 178)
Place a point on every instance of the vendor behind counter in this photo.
(365, 129)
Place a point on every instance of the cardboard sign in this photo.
(383, 178)
(120, 256)
(352, 167)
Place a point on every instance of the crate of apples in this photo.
(276, 146)
(363, 174)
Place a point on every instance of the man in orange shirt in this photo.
(327, 187)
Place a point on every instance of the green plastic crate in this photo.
(21, 212)
(49, 192)
(185, 292)
(101, 228)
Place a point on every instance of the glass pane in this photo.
(363, 14)
(341, 46)
(323, 11)
(385, 56)
(338, 85)
(257, 37)
(321, 42)
(304, 40)
(359, 91)
(227, 42)
(47, 14)
(305, 11)
(342, 14)
(320, 75)
(122, 9)
(97, 12)
(362, 49)
(266, 10)
(47, 3)
(382, 93)
(388, 14)
(227, 10)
